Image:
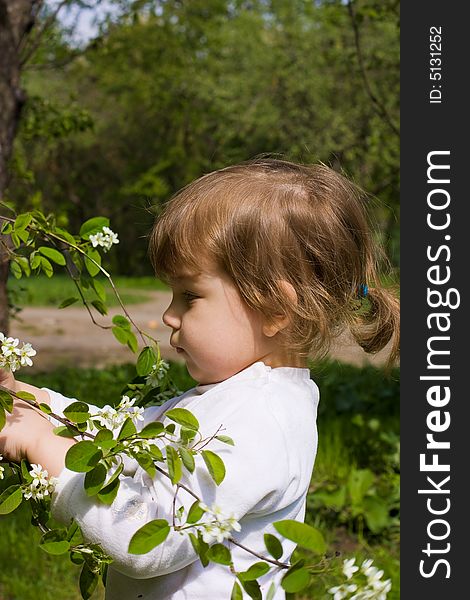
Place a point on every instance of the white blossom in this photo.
(126, 402)
(12, 356)
(42, 485)
(137, 446)
(218, 525)
(109, 417)
(39, 475)
(349, 567)
(158, 372)
(25, 352)
(341, 591)
(2, 469)
(104, 238)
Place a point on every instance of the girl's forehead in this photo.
(185, 275)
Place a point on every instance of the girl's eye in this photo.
(189, 296)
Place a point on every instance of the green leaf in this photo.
(74, 534)
(147, 358)
(45, 408)
(6, 400)
(46, 266)
(99, 289)
(271, 591)
(226, 439)
(65, 235)
(54, 542)
(187, 435)
(15, 239)
(151, 430)
(256, 570)
(375, 513)
(3, 418)
(215, 466)
(109, 492)
(104, 439)
(220, 554)
(83, 457)
(128, 428)
(10, 499)
(22, 221)
(360, 480)
(252, 589)
(156, 452)
(24, 264)
(335, 499)
(34, 260)
(147, 464)
(237, 593)
(183, 417)
(149, 536)
(195, 513)
(174, 464)
(100, 307)
(68, 302)
(87, 582)
(26, 396)
(120, 334)
(24, 466)
(92, 267)
(22, 234)
(132, 342)
(53, 255)
(122, 322)
(187, 458)
(95, 479)
(65, 431)
(7, 228)
(273, 545)
(302, 534)
(78, 412)
(295, 580)
(92, 226)
(16, 269)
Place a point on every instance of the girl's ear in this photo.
(280, 322)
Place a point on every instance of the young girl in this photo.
(267, 261)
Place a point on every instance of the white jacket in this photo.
(271, 416)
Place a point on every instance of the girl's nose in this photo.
(170, 317)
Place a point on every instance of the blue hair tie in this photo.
(363, 290)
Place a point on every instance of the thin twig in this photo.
(34, 404)
(376, 103)
(36, 42)
(206, 442)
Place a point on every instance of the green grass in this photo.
(27, 572)
(42, 291)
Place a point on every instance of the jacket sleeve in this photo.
(251, 485)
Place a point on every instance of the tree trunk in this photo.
(17, 17)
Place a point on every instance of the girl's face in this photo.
(216, 333)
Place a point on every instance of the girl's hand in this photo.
(7, 379)
(23, 429)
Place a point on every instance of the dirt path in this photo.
(68, 337)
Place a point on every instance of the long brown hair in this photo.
(267, 221)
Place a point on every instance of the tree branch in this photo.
(376, 103)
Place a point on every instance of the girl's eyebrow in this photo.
(185, 278)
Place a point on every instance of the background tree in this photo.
(169, 90)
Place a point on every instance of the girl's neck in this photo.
(280, 359)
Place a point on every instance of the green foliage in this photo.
(347, 390)
(195, 86)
